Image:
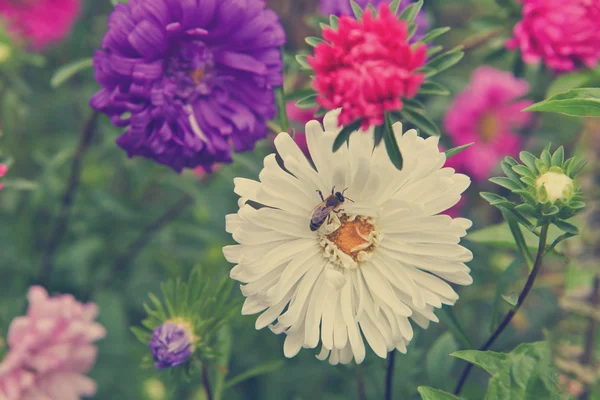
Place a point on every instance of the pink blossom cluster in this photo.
(3, 171)
(367, 67)
(564, 34)
(51, 349)
(41, 22)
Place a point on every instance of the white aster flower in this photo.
(379, 262)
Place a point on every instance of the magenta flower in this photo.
(41, 22)
(342, 7)
(50, 349)
(3, 171)
(189, 79)
(487, 113)
(564, 34)
(367, 67)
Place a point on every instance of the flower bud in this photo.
(553, 186)
(171, 344)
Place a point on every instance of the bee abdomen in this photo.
(315, 225)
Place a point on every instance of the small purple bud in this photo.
(171, 344)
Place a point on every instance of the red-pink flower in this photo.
(40, 22)
(564, 34)
(487, 112)
(3, 170)
(50, 349)
(367, 67)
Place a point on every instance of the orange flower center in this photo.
(488, 127)
(353, 236)
(197, 75)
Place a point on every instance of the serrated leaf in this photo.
(421, 121)
(433, 88)
(506, 183)
(455, 150)
(439, 364)
(307, 102)
(448, 317)
(344, 135)
(391, 146)
(356, 9)
(428, 393)
(313, 41)
(434, 34)
(512, 298)
(410, 13)
(583, 102)
(66, 72)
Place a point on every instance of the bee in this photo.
(328, 205)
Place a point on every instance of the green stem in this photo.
(515, 229)
(509, 316)
(281, 109)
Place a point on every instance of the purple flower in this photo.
(189, 78)
(171, 344)
(342, 7)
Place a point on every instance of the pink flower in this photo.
(3, 170)
(562, 33)
(50, 349)
(366, 67)
(41, 22)
(486, 113)
(203, 173)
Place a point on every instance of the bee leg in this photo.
(338, 211)
(321, 194)
(332, 190)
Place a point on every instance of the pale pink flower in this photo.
(50, 349)
(564, 34)
(40, 22)
(202, 173)
(487, 113)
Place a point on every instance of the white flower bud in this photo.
(556, 186)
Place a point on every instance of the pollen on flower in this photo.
(350, 239)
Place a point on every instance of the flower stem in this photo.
(389, 376)
(587, 358)
(60, 226)
(515, 229)
(281, 109)
(206, 383)
(480, 40)
(509, 316)
(129, 255)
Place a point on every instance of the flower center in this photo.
(349, 239)
(488, 127)
(189, 68)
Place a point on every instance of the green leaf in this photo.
(558, 158)
(439, 364)
(455, 150)
(567, 227)
(510, 275)
(428, 393)
(500, 236)
(448, 317)
(19, 184)
(284, 122)
(307, 102)
(526, 373)
(506, 183)
(303, 61)
(433, 50)
(565, 82)
(434, 33)
(394, 5)
(512, 298)
(334, 21)
(344, 135)
(391, 145)
(66, 72)
(576, 102)
(410, 13)
(313, 41)
(378, 134)
(261, 369)
(299, 94)
(444, 61)
(421, 121)
(356, 9)
(224, 343)
(529, 160)
(433, 88)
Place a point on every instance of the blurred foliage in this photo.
(44, 106)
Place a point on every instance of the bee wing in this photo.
(319, 214)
